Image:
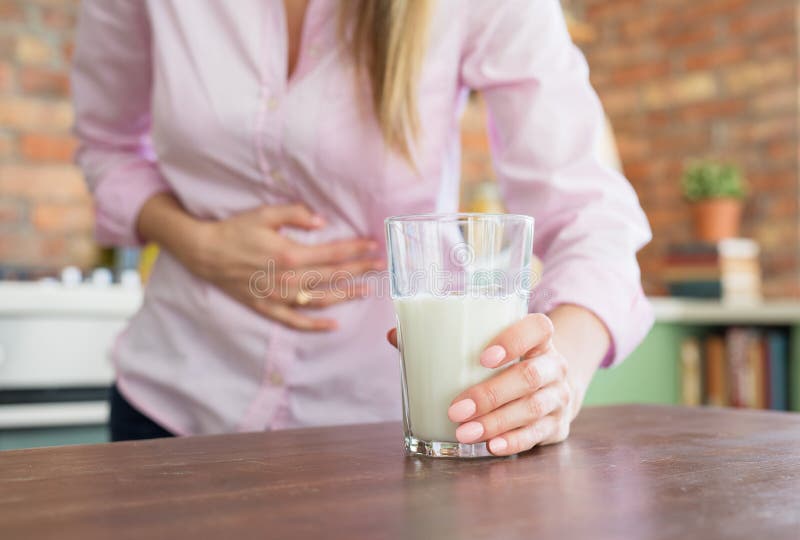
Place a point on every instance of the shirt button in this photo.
(278, 177)
(272, 104)
(276, 379)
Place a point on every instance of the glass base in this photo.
(436, 449)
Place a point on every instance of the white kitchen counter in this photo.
(29, 298)
(679, 310)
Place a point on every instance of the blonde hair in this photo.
(388, 41)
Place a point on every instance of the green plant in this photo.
(712, 180)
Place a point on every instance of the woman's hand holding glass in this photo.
(529, 403)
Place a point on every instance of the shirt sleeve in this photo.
(111, 81)
(545, 126)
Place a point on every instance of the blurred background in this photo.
(703, 102)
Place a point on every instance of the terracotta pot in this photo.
(716, 219)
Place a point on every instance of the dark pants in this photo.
(128, 424)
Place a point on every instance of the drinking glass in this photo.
(457, 281)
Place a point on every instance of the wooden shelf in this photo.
(714, 312)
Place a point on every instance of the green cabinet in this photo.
(649, 375)
(12, 439)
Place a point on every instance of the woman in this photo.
(251, 134)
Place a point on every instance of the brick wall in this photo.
(45, 211)
(685, 78)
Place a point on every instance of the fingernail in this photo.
(329, 325)
(372, 246)
(469, 432)
(493, 356)
(461, 410)
(497, 445)
(317, 221)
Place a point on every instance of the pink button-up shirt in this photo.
(192, 97)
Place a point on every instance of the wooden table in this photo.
(639, 472)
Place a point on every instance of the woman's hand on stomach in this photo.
(248, 258)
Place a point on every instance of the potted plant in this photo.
(716, 192)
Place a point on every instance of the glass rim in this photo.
(434, 217)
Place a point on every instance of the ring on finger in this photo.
(303, 298)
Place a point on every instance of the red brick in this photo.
(753, 76)
(12, 212)
(6, 77)
(658, 119)
(684, 37)
(770, 46)
(62, 218)
(710, 59)
(772, 17)
(690, 88)
(613, 10)
(67, 50)
(633, 147)
(59, 3)
(44, 147)
(781, 99)
(702, 11)
(780, 206)
(639, 73)
(43, 182)
(621, 100)
(681, 142)
(25, 248)
(782, 150)
(713, 109)
(11, 11)
(32, 49)
(781, 287)
(29, 249)
(7, 45)
(643, 25)
(638, 170)
(44, 82)
(765, 130)
(8, 147)
(58, 17)
(30, 114)
(617, 55)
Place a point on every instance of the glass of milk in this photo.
(457, 281)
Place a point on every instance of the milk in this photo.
(442, 339)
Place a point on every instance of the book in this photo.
(740, 269)
(737, 341)
(694, 249)
(692, 273)
(728, 270)
(695, 289)
(755, 397)
(691, 380)
(716, 379)
(777, 353)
